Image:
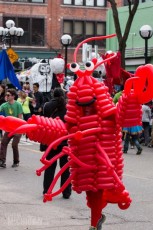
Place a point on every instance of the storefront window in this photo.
(33, 31)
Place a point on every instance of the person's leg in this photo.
(152, 134)
(95, 203)
(49, 172)
(151, 141)
(137, 144)
(147, 134)
(3, 148)
(146, 127)
(1, 134)
(131, 143)
(48, 177)
(65, 175)
(126, 142)
(26, 117)
(15, 143)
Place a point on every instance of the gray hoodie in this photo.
(146, 113)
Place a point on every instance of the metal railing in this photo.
(138, 52)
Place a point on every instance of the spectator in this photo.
(2, 100)
(26, 89)
(132, 132)
(2, 93)
(69, 83)
(10, 108)
(56, 107)
(38, 100)
(118, 94)
(146, 118)
(151, 141)
(25, 100)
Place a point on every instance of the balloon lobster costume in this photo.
(93, 129)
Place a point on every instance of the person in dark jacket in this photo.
(38, 101)
(56, 107)
(2, 93)
(2, 100)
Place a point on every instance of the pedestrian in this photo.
(38, 100)
(2, 100)
(11, 108)
(118, 94)
(25, 101)
(133, 133)
(56, 108)
(151, 141)
(2, 93)
(115, 100)
(146, 119)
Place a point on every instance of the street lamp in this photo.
(66, 41)
(10, 31)
(146, 32)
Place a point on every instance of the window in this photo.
(33, 31)
(38, 32)
(40, 1)
(101, 3)
(89, 3)
(31, 1)
(125, 2)
(80, 30)
(67, 2)
(78, 2)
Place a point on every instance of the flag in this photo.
(7, 70)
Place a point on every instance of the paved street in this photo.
(21, 205)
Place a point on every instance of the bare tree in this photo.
(122, 36)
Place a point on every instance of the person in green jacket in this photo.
(118, 94)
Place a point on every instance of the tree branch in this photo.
(116, 19)
(123, 36)
(132, 12)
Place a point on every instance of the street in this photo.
(21, 200)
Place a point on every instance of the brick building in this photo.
(45, 21)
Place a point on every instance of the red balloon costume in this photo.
(93, 129)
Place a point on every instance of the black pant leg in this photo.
(49, 172)
(65, 175)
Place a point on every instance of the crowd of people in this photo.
(138, 136)
(24, 103)
(17, 104)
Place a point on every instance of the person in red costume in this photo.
(115, 75)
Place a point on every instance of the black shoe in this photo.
(139, 151)
(66, 196)
(124, 151)
(2, 164)
(45, 191)
(15, 165)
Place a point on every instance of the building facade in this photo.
(135, 46)
(45, 21)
